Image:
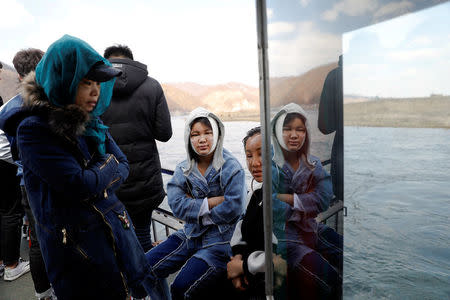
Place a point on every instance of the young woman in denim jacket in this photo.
(207, 191)
(72, 167)
(301, 190)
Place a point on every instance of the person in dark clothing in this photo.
(72, 167)
(331, 119)
(25, 61)
(138, 115)
(11, 212)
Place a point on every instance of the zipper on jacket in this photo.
(107, 161)
(113, 244)
(64, 241)
(105, 193)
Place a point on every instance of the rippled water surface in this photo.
(397, 190)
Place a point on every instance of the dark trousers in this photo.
(11, 214)
(141, 222)
(37, 266)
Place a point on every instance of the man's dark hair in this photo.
(118, 50)
(26, 60)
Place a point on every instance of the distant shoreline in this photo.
(431, 112)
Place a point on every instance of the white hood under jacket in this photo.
(218, 159)
(278, 157)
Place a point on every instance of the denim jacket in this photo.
(228, 181)
(310, 184)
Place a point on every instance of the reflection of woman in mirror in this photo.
(301, 190)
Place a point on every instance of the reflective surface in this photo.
(396, 84)
(390, 50)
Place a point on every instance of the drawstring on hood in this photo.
(277, 134)
(218, 159)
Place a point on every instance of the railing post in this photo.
(261, 16)
(154, 231)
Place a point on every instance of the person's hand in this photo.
(214, 201)
(279, 270)
(240, 283)
(288, 198)
(235, 267)
(154, 244)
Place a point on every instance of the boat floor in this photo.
(23, 287)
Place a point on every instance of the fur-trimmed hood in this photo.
(68, 121)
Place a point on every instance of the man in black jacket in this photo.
(138, 115)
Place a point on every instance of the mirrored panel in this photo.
(397, 120)
(328, 57)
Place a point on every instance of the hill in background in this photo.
(241, 99)
(232, 99)
(303, 89)
(429, 112)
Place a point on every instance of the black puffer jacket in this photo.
(138, 115)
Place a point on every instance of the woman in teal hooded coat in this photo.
(72, 167)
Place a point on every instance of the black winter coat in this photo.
(139, 115)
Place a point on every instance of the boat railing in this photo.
(332, 216)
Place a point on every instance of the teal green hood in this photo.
(60, 71)
(63, 66)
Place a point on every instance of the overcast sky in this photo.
(206, 41)
(405, 57)
(214, 41)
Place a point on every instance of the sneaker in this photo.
(14, 273)
(47, 295)
(2, 269)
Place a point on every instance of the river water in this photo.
(397, 191)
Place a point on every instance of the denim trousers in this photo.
(330, 245)
(316, 275)
(202, 271)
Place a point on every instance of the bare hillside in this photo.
(231, 98)
(303, 89)
(218, 98)
(414, 112)
(236, 97)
